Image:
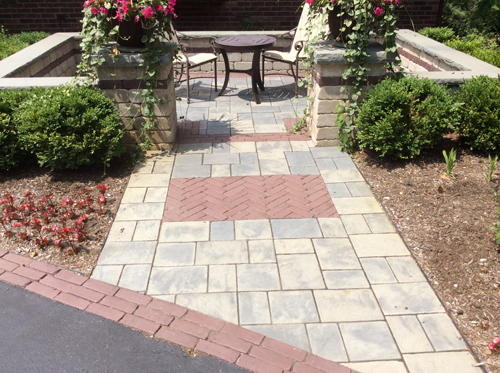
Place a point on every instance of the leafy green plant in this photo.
(491, 169)
(465, 15)
(479, 112)
(67, 127)
(440, 34)
(450, 161)
(400, 118)
(10, 44)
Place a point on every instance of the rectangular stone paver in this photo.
(156, 195)
(258, 277)
(355, 224)
(357, 205)
(326, 341)
(330, 152)
(127, 253)
(273, 146)
(359, 189)
(222, 231)
(300, 271)
(219, 305)
(147, 230)
(108, 273)
(148, 180)
(336, 253)
(332, 227)
(191, 171)
(367, 245)
(442, 362)
(341, 176)
(405, 269)
(291, 334)
(409, 334)
(379, 223)
(253, 229)
(296, 228)
(175, 254)
(140, 211)
(294, 246)
(352, 279)
(443, 335)
(300, 159)
(261, 251)
(133, 195)
(377, 270)
(135, 277)
(347, 305)
(178, 280)
(291, 307)
(245, 169)
(274, 167)
(338, 190)
(222, 278)
(163, 168)
(221, 252)
(254, 308)
(184, 231)
(229, 158)
(122, 231)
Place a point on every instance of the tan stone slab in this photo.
(357, 205)
(149, 180)
(370, 245)
(341, 176)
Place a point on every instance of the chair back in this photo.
(301, 33)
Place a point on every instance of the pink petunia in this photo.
(119, 16)
(148, 12)
(496, 340)
(158, 7)
(104, 10)
(309, 1)
(137, 18)
(94, 11)
(379, 11)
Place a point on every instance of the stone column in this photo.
(122, 81)
(328, 67)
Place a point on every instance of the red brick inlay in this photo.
(189, 133)
(247, 198)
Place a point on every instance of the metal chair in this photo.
(193, 61)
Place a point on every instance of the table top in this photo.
(244, 42)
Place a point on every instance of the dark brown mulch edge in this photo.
(399, 185)
(63, 184)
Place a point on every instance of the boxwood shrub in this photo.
(67, 127)
(400, 118)
(479, 112)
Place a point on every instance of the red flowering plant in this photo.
(101, 26)
(44, 223)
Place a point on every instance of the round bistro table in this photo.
(245, 43)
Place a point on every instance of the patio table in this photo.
(245, 43)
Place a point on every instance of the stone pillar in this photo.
(122, 81)
(328, 67)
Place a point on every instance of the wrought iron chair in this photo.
(193, 61)
(296, 52)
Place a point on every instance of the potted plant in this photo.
(143, 25)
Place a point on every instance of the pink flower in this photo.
(104, 10)
(492, 346)
(137, 18)
(94, 11)
(158, 7)
(496, 340)
(119, 16)
(85, 5)
(309, 1)
(148, 12)
(379, 11)
(102, 199)
(125, 9)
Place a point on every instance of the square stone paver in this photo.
(359, 189)
(223, 306)
(229, 158)
(336, 253)
(294, 246)
(300, 271)
(291, 307)
(303, 159)
(355, 224)
(357, 205)
(258, 277)
(347, 305)
(409, 334)
(254, 308)
(127, 253)
(345, 163)
(345, 279)
(326, 341)
(295, 228)
(328, 152)
(338, 190)
(261, 251)
(332, 227)
(175, 254)
(249, 158)
(109, 274)
(304, 170)
(405, 269)
(147, 230)
(221, 252)
(369, 245)
(376, 339)
(253, 229)
(341, 176)
(274, 167)
(245, 170)
(148, 180)
(178, 280)
(191, 171)
(379, 223)
(408, 298)
(222, 278)
(443, 335)
(221, 170)
(133, 195)
(135, 277)
(185, 231)
(193, 148)
(291, 334)
(163, 168)
(377, 270)
(156, 195)
(121, 231)
(140, 211)
(442, 362)
(326, 164)
(222, 231)
(273, 146)
(242, 147)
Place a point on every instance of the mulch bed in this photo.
(445, 223)
(66, 184)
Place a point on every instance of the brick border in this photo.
(166, 321)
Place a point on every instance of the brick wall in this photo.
(194, 15)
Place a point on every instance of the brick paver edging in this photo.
(167, 321)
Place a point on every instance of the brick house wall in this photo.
(194, 15)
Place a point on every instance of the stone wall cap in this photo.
(218, 34)
(450, 56)
(327, 53)
(450, 77)
(27, 83)
(137, 59)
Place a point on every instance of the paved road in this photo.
(38, 335)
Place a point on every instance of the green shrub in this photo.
(401, 117)
(440, 34)
(67, 127)
(10, 44)
(479, 46)
(480, 114)
(11, 152)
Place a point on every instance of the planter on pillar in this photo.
(327, 69)
(122, 81)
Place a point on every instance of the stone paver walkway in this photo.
(280, 237)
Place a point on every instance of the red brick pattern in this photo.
(164, 320)
(247, 198)
(189, 133)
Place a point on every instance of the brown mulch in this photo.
(445, 223)
(66, 184)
